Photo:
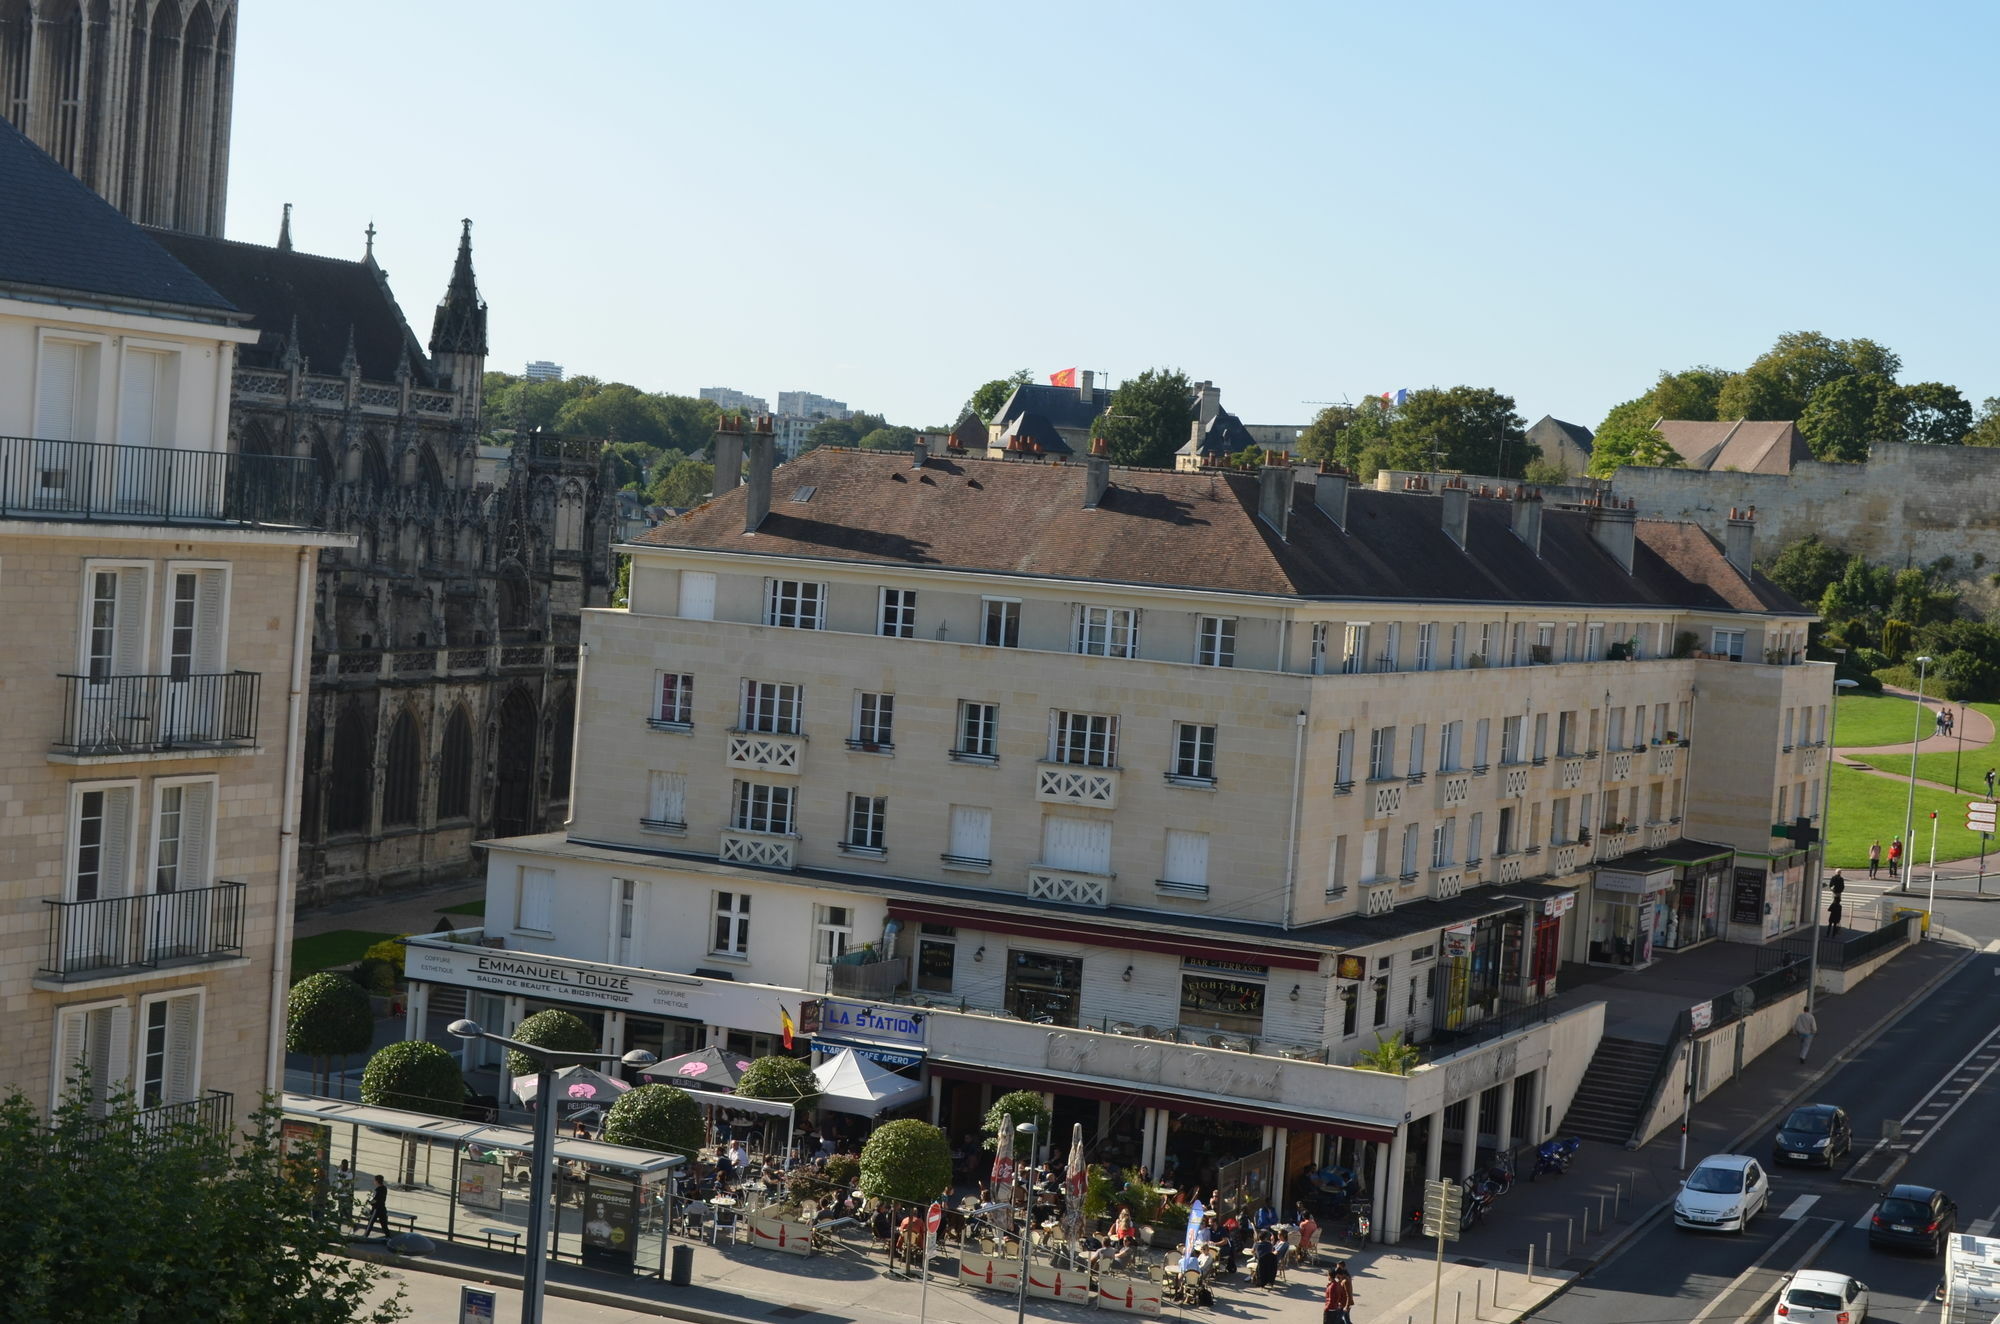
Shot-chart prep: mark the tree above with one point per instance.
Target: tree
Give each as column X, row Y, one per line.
column 1472, row 429
column 155, row 1221
column 1547, row 473
column 985, row 402
column 1691, row 393
column 786, row 1079
column 1022, row 1106
column 1935, row 414
column 1148, row 419
column 415, row 1076
column 328, row 1016
column 907, row 1161
column 1848, row 415
column 662, row 1118
column 1780, row 382
column 1805, row 568
column 555, row 1029
column 889, row 439
column 843, row 431
column 1986, row 424
column 1323, row 439
column 686, row 483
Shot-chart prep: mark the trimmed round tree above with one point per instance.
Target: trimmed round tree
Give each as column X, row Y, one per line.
column 553, row 1029
column 415, row 1076
column 661, row 1118
column 781, row 1079
column 1022, row 1106
column 908, row 1161
column 328, row 1016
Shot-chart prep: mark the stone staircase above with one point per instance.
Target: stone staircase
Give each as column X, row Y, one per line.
column 1615, row 1091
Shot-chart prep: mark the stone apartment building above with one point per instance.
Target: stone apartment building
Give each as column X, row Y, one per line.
column 161, row 588
column 1164, row 793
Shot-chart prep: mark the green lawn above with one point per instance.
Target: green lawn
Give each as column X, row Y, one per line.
column 467, row 908
column 1937, row 767
column 1875, row 719
column 324, row 951
column 1867, row 807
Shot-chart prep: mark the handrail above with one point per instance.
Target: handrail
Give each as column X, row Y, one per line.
column 42, row 479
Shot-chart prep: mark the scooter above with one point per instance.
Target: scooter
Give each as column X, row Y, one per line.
column 1554, row 1156
column 1501, row 1175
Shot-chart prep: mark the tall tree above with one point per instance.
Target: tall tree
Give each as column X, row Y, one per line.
column 1935, row 414
column 843, row 431
column 683, row 484
column 1985, row 429
column 1691, row 393
column 1324, row 437
column 889, row 439
column 1148, row 419
column 1627, row 436
column 986, row 401
column 1473, row 429
column 1781, row 381
column 1846, row 415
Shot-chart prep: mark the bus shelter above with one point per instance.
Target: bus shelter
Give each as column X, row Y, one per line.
column 470, row 1181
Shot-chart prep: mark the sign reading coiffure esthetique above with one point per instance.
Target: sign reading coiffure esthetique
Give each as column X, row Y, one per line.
column 553, row 979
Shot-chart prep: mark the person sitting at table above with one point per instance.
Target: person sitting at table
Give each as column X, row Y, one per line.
column 1122, row 1227
column 1267, row 1262
column 881, row 1226
column 1265, row 1217
column 1204, row 1231
column 1190, row 1262
column 1123, row 1258
column 1308, row 1236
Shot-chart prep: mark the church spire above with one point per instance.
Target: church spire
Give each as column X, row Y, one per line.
column 460, row 324
column 285, row 231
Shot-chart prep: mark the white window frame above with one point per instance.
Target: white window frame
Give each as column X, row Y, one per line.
column 795, row 604
column 205, row 830
column 697, row 595
column 117, row 1055
column 1106, row 631
column 959, row 859
column 141, row 1028
column 628, row 904
column 1451, row 745
column 1427, row 646
column 833, row 932
column 874, row 721
column 1184, row 857
column 1343, row 759
column 166, row 360
column 867, row 824
column 138, row 648
column 666, row 791
column 978, row 734
column 542, row 908
column 1316, row 657
column 1084, row 740
column 1593, row 642
column 896, row 613
column 778, row 703
column 1419, row 734
column 85, row 390
column 1215, row 641
column 130, row 846
column 731, row 908
column 755, row 807
column 1354, row 648
column 1194, row 754
column 1457, row 645
column 1728, row 642
column 169, row 600
column 1444, row 843
column 1006, row 613
column 673, row 700
column 1381, row 753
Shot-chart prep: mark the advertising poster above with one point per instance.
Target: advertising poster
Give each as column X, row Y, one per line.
column 479, row 1184
column 610, row 1223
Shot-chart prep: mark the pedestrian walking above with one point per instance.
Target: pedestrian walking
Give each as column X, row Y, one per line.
column 1895, row 857
column 1805, row 1027
column 1989, row 783
column 343, row 1193
column 1833, row 918
column 378, row 1207
column 1339, row 1295
column 1874, row 856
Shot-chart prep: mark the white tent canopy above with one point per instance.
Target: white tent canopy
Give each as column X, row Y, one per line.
column 850, row 1083
column 736, row 1103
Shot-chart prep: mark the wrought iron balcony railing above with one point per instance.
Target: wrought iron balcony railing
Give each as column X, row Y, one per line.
column 88, row 480
column 92, row 939
column 151, row 714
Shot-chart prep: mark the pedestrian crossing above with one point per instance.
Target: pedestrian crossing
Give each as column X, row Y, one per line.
column 1797, row 1208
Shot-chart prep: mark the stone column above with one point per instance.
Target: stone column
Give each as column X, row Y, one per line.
column 1389, row 1191
column 613, row 1039
column 1503, row 1122
column 1276, row 1139
column 937, row 1097
column 1434, row 1146
column 1469, row 1137
column 416, row 1009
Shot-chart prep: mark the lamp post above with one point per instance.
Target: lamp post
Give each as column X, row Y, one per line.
column 1910, row 806
column 1030, row 1130
column 547, row 1063
column 1825, row 827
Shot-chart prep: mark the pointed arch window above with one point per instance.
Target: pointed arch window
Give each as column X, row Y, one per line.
column 403, row 776
column 353, row 761
column 455, row 767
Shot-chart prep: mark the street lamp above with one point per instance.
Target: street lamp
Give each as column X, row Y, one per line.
column 1825, row 826
column 1910, row 806
column 547, row 1062
column 1030, row 1130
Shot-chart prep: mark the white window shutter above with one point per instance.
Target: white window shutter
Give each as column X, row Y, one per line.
column 128, row 627
column 971, row 832
column 138, row 398
column 183, row 1048
column 197, row 833
column 1187, row 857
column 698, row 595
column 669, row 797
column 114, row 876
column 210, row 646
column 72, row 1034
column 56, row 391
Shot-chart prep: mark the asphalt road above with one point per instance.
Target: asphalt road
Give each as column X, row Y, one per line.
column 1937, row 1072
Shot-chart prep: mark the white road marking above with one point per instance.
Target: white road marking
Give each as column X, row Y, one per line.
column 1770, row 1252
column 1798, row 1207
column 1863, row 1221
column 1980, row 1227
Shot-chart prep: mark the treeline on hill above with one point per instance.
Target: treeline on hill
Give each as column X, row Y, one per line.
column 1885, row 618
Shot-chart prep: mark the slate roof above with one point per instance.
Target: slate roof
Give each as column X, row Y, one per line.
column 1748, row 446
column 1201, row 530
column 1224, row 436
column 325, row 295
column 1577, row 434
column 1062, row 406
column 57, row 237
column 1033, row 432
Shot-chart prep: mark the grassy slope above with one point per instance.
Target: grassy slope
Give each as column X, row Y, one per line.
column 1867, row 807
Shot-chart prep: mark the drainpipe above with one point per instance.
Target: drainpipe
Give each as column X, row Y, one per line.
column 1292, row 831
column 288, row 827
column 1603, row 771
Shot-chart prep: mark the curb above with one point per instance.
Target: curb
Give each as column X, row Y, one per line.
column 589, row 1296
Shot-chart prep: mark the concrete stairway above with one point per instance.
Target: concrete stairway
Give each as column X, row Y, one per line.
column 1614, row 1091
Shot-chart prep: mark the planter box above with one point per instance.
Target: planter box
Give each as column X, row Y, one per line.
column 1132, row 1296
column 990, row 1272
column 780, row 1234
column 1071, row 1285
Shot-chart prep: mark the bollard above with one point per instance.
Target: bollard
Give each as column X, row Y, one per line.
column 1617, row 1199
column 1478, row 1299
column 1531, row 1263
column 1600, row 1213
column 1586, row 1225
column 1496, row 1287
column 1569, row 1237
column 1548, row 1247
column 1457, row 1304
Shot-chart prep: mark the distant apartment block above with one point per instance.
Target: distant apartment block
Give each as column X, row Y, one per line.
column 541, row 370
column 733, row 401
column 804, row 404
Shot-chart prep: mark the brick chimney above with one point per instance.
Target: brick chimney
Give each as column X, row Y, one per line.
column 920, row 450
column 1738, row 536
column 761, row 446
column 1274, row 496
column 1616, row 528
column 728, row 451
column 1086, row 386
column 1330, row 494
column 1208, row 403
column 1528, row 517
column 1457, row 507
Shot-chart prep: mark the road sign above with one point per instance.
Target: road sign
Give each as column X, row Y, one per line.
column 1443, row 1206
column 934, row 1219
column 1981, row 815
column 1982, row 806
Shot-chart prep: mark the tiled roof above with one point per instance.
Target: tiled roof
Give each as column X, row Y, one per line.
column 1062, row 406
column 1747, row 446
column 58, row 236
column 1201, row 530
column 327, row 297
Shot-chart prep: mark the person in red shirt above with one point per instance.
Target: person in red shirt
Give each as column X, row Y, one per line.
column 1339, row 1295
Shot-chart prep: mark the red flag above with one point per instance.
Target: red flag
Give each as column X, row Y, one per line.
column 1067, row 377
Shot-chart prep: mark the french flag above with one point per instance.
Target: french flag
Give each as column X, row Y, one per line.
column 1395, row 397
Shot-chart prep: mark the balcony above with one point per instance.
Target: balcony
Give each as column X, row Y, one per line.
column 1385, row 799
column 764, row 850
column 1569, row 771
column 133, row 934
column 1447, row 883
column 1070, row 886
column 119, row 716
column 85, row 480
column 1070, row 784
column 1454, row 789
column 1507, row 869
column 766, row 751
column 1809, row 758
column 1620, row 766
column 1564, row 857
column 1378, row 898
column 1666, row 760
column 871, row 979
column 1513, row 782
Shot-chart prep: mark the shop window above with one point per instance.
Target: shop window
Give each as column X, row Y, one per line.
column 1381, row 1000
column 1222, row 996
column 937, row 964
column 1350, row 1011
column 1043, row 987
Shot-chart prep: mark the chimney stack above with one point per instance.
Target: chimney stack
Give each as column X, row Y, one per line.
column 1738, row 537
column 1528, row 517
column 1616, row 529
column 1096, row 473
column 728, row 451
column 1086, row 386
column 1330, row 494
column 1208, row 403
column 1457, row 507
column 1274, row 496
column 920, row 451
column 760, row 444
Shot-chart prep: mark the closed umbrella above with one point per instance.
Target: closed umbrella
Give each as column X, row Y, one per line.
column 1075, row 1181
column 1003, row 1165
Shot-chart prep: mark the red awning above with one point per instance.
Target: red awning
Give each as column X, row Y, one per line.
column 1072, row 928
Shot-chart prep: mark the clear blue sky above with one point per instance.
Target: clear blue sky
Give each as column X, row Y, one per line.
column 892, row 203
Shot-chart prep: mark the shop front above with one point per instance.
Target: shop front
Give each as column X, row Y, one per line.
column 1770, row 895
column 889, row 1036
column 1693, row 913
column 1669, row 899
column 1625, row 907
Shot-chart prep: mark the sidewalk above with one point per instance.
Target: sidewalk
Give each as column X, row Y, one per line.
column 1977, row 729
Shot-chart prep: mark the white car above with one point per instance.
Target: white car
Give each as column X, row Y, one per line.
column 1722, row 1194
column 1817, row 1297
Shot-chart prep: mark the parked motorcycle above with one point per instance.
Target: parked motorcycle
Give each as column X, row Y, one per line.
column 1554, row 1156
column 1500, row 1176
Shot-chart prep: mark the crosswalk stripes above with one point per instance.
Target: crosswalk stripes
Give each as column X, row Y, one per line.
column 1980, row 1227
column 1797, row 1208
column 1867, row 1218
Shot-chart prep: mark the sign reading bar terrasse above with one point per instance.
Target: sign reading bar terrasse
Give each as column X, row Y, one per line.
column 555, row 979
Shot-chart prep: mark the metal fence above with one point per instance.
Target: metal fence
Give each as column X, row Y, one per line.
column 90, row 938
column 145, row 714
column 153, row 484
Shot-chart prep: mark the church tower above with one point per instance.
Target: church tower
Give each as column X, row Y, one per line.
column 458, row 332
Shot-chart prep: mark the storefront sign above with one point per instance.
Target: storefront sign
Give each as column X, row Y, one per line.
column 1458, row 942
column 610, row 1224
column 888, row 1057
column 1228, row 967
column 1701, row 1015
column 1747, row 906
column 556, row 979
column 1351, row 967
column 1560, row 905
column 875, row 1025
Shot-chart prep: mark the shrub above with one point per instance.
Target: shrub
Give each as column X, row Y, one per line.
column 554, row 1029
column 389, row 949
column 1022, row 1106
column 1391, row 1055
column 781, row 1079
column 374, row 975
column 661, row 1118
column 1098, row 1192
column 843, row 1170
column 1684, row 643
column 1896, row 638
column 1867, row 659
column 415, row 1076
column 908, row 1161
column 328, row 1015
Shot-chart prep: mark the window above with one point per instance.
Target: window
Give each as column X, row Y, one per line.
column 1044, row 988
column 874, row 722
column 1593, row 642
column 1457, row 646
column 937, row 958
column 1566, row 733
column 1354, row 648
column 1374, row 847
column 978, row 732
column 1392, row 648
column 1503, row 843
column 1475, row 830
column 351, row 784
column 195, row 628
column 65, row 391
column 1343, row 761
column 147, row 383
column 169, row 1048
column 1090, row 739
column 1418, row 734
column 1002, row 627
column 1411, row 835
column 1614, row 729
column 1784, row 803
column 865, row 821
column 402, row 778
column 1444, row 844
column 1381, row 999
column 1789, row 712
column 1510, row 740
column 1517, row 649
column 183, row 826
column 1336, row 868
column 1426, row 646
column 1729, row 643
column 833, row 932
column 1541, row 738
column 1215, row 641
column 1076, row 845
column 732, row 925
column 762, row 808
column 1569, row 641
column 698, row 595
column 1381, row 753
column 1317, row 660
column 1194, row 752
column 455, row 767
column 1107, row 631
column 1480, row 732
column 1186, row 867
column 1451, row 742
column 92, row 1044
column 666, row 802
column 674, row 700
column 114, row 641
column 1659, row 721
column 1221, row 997
column 897, row 617
column 796, row 603
column 1350, row 1008
column 970, row 844
column 771, row 707
column 101, row 850
column 536, row 899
